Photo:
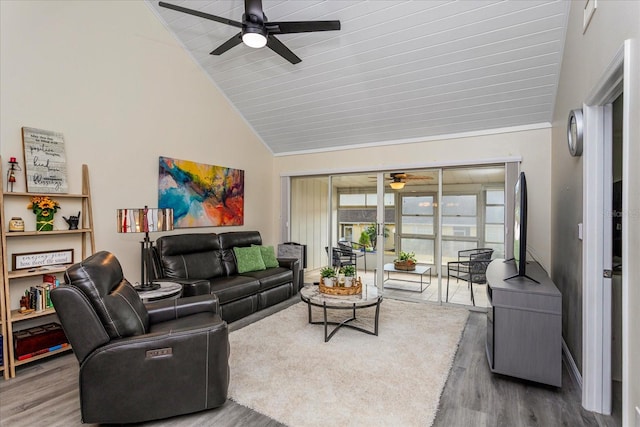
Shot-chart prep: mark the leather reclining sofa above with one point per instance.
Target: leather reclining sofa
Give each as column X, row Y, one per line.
column 206, row 263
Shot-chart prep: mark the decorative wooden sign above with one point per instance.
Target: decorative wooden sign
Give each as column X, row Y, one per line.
column 45, row 161
column 41, row 259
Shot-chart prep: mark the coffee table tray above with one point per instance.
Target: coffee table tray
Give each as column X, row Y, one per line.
column 342, row 290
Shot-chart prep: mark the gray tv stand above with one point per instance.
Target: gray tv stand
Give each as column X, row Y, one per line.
column 524, row 324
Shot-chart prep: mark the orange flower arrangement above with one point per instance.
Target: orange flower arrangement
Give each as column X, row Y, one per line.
column 43, row 206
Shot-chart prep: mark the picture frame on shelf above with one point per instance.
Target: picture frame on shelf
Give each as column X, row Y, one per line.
column 34, row 260
column 45, row 161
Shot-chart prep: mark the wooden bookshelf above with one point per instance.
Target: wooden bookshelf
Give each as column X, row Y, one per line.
column 11, row 317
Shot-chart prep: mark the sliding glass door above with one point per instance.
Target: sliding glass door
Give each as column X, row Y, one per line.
column 432, row 213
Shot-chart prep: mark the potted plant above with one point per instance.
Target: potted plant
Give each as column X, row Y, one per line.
column 328, row 275
column 349, row 272
column 406, row 261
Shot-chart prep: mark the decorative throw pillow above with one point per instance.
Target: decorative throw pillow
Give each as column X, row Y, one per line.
column 249, row 259
column 268, row 256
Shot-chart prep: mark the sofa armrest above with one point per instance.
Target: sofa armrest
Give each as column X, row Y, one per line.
column 190, row 287
column 293, row 264
column 169, row 309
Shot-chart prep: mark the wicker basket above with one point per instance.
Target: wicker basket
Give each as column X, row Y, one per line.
column 355, row 289
column 404, row 265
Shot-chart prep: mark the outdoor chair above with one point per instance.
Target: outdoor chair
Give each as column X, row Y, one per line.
column 354, row 248
column 471, row 266
column 341, row 257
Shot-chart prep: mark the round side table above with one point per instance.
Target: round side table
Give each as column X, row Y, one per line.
column 167, row 290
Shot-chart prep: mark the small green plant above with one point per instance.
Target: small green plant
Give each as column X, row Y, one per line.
column 327, row 272
column 407, row 256
column 365, row 240
column 348, row 270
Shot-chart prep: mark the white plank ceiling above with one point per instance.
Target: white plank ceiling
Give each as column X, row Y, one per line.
column 397, row 71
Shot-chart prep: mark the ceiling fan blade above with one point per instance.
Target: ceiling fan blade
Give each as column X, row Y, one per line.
column 201, row 14
column 233, row 41
column 276, row 45
column 289, row 27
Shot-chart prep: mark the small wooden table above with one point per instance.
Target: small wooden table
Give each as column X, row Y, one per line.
column 420, row 270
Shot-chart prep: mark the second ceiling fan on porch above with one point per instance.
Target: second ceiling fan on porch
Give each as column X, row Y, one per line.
column 257, row 31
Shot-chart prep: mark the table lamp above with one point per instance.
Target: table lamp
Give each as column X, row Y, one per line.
column 144, row 220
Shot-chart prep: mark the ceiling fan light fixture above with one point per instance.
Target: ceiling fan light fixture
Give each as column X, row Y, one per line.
column 396, row 185
column 254, row 37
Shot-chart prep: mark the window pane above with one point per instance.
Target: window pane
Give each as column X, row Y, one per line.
column 423, row 248
column 495, row 197
column 459, row 226
column 495, row 214
column 418, row 205
column 417, row 225
column 372, row 199
column 494, row 233
column 352, row 200
column 498, row 250
column 459, row 205
column 389, row 199
column 450, row 249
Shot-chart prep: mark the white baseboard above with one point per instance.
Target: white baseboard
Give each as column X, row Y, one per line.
column 571, row 364
column 637, row 417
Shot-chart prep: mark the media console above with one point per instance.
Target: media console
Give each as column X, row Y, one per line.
column 524, row 324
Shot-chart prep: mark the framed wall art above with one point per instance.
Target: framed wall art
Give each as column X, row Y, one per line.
column 45, row 161
column 201, row 195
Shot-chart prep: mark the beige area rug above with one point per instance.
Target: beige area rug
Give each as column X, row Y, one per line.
column 281, row 366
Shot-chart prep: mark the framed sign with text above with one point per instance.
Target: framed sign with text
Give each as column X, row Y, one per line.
column 41, row 259
column 45, row 161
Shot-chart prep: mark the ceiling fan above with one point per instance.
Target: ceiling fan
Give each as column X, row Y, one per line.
column 257, row 31
column 399, row 179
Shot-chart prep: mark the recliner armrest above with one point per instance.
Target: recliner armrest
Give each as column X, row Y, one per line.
column 164, row 310
column 174, row 371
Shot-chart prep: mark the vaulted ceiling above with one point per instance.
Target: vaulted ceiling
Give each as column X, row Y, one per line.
column 397, row 71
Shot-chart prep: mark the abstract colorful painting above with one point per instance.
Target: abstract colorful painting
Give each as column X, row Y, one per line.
column 201, row 195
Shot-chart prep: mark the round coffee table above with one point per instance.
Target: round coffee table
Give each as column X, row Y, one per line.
column 370, row 297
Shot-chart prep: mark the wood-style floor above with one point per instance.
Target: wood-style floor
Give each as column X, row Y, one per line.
column 46, row 394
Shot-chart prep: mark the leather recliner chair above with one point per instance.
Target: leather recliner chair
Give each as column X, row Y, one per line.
column 137, row 362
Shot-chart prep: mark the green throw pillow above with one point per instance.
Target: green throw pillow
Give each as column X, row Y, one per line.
column 269, row 256
column 249, row 259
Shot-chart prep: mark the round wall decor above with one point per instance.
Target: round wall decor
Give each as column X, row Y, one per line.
column 575, row 129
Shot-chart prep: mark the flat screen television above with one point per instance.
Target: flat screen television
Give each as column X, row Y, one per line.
column 520, row 228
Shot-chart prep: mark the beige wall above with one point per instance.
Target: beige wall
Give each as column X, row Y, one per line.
column 532, row 146
column 586, row 56
column 112, row 79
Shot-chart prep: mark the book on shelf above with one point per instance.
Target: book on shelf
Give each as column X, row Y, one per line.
column 38, row 298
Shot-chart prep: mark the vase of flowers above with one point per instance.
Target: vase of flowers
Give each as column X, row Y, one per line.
column 45, row 209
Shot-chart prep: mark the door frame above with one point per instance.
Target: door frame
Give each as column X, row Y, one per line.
column 596, row 302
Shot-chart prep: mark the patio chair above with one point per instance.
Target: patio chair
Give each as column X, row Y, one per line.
column 355, row 249
column 471, row 266
column 341, row 257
